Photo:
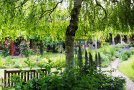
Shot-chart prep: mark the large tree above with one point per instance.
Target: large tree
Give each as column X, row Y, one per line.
column 43, row 18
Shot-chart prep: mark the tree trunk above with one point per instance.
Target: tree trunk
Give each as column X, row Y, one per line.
column 113, row 41
column 128, row 40
column 70, row 33
column 96, row 44
column 41, row 47
column 12, row 48
column 121, row 39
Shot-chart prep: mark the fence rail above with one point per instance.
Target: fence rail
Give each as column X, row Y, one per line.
column 25, row 75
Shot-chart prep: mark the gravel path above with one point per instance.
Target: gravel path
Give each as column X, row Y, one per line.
column 116, row 73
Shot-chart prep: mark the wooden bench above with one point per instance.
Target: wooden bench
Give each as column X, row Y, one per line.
column 23, row 74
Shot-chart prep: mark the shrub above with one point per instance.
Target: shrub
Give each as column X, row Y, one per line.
column 107, row 54
column 27, row 52
column 5, row 52
column 125, row 55
column 105, row 60
column 72, row 79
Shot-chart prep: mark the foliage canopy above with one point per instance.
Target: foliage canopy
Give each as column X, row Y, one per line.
column 49, row 18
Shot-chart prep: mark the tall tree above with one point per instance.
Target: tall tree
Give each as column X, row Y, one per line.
column 70, row 33
column 41, row 18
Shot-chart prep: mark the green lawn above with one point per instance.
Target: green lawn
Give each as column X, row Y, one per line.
column 34, row 60
column 127, row 67
column 7, row 88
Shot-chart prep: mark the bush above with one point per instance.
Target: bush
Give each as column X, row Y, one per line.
column 125, row 54
column 108, row 54
column 105, row 60
column 5, row 52
column 72, row 79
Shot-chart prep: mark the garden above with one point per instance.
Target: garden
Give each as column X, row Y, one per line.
column 66, row 45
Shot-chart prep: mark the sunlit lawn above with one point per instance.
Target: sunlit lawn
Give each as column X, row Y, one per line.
column 127, row 67
column 35, row 60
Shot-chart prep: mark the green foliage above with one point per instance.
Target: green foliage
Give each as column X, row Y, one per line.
column 74, row 79
column 5, row 52
column 35, row 61
column 125, row 55
column 96, row 60
column 107, row 54
column 2, row 63
column 21, row 18
column 80, row 62
column 25, row 16
column 60, row 63
column 86, row 59
column 105, row 60
column 27, row 52
column 99, row 60
column 91, row 63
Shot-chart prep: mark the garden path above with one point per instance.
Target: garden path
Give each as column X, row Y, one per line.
column 116, row 73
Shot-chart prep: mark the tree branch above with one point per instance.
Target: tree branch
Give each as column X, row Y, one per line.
column 50, row 10
column 98, row 4
column 21, row 4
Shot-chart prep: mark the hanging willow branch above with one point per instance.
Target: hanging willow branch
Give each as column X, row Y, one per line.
column 98, row 4
column 50, row 10
column 22, row 4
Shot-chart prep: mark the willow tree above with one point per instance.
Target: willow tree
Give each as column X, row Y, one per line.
column 70, row 32
column 101, row 16
column 37, row 17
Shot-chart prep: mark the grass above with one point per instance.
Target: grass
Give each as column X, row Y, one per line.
column 6, row 88
column 20, row 62
column 127, row 67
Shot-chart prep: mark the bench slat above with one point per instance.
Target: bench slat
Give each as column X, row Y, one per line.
column 23, row 74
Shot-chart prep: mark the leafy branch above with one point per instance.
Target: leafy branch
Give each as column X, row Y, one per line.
column 98, row 4
column 50, row 10
column 22, row 3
